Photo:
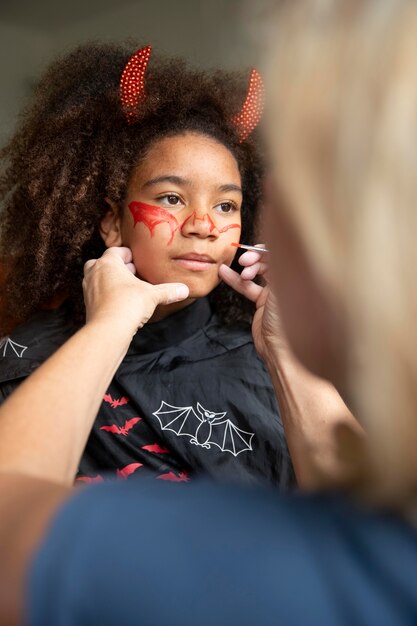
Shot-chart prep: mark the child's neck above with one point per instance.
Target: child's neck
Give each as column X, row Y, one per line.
column 165, row 310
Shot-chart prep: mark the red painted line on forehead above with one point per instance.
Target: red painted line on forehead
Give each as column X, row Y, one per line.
column 151, row 216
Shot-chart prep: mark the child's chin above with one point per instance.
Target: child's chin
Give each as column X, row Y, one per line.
column 200, row 289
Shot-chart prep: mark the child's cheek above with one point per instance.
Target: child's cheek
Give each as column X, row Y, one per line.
column 146, row 267
column 151, row 216
column 228, row 239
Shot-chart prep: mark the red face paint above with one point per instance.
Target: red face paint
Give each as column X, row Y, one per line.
column 225, row 228
column 206, row 218
column 151, row 216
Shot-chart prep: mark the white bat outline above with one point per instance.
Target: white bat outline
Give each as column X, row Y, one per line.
column 183, row 424
column 6, row 342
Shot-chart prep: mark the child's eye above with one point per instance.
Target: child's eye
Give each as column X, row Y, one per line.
column 170, row 200
column 226, row 207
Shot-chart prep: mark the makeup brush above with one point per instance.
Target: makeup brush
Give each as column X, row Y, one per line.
column 245, row 247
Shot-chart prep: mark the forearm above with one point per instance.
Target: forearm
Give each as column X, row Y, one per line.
column 314, row 415
column 45, row 424
column 27, row 506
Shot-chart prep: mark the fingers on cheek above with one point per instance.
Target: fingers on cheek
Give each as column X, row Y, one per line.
column 249, row 273
column 249, row 258
column 263, row 268
column 131, row 268
column 257, row 269
column 89, row 265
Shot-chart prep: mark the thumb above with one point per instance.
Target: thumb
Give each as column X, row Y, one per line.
column 166, row 293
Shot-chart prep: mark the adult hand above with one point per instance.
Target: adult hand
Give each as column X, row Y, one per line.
column 266, row 328
column 113, row 293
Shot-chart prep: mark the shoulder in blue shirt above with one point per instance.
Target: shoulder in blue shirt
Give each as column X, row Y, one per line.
column 131, row 553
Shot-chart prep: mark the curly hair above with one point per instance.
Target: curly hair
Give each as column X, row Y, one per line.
column 73, row 148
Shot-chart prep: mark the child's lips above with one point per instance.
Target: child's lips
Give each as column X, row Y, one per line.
column 195, row 262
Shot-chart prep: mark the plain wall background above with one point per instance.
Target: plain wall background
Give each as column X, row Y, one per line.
column 210, row 33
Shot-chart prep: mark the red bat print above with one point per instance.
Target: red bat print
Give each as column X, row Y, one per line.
column 151, row 216
column 124, row 472
column 116, row 401
column 122, row 430
column 181, row 478
column 154, row 447
column 90, row 479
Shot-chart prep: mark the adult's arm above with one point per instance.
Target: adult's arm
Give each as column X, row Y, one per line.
column 43, row 431
column 323, row 437
column 45, row 424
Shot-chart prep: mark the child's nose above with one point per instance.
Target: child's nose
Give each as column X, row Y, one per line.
column 199, row 224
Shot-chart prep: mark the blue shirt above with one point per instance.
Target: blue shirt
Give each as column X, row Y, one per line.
column 130, row 553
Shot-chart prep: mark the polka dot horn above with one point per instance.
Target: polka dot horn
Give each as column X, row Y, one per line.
column 250, row 115
column 132, row 82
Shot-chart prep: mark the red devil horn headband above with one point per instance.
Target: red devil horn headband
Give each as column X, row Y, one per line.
column 132, row 93
column 132, row 82
column 250, row 115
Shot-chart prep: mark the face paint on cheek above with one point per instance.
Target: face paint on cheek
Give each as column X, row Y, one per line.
column 225, row 228
column 151, row 216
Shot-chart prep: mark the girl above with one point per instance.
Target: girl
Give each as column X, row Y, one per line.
column 161, row 159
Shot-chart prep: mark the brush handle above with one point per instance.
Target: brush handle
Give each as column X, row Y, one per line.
column 252, row 248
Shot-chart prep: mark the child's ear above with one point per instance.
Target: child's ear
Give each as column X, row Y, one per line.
column 110, row 225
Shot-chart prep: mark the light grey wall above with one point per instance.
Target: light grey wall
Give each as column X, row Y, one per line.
column 23, row 51
column 209, row 33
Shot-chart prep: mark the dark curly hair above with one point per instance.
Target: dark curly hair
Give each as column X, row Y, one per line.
column 74, row 147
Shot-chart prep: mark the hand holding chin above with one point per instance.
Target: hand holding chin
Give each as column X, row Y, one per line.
column 112, row 292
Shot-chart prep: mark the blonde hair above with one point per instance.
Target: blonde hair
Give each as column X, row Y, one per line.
column 343, row 121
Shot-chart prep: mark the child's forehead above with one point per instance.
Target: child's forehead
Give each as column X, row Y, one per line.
column 179, row 144
column 188, row 156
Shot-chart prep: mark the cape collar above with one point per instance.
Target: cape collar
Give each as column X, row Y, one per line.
column 173, row 329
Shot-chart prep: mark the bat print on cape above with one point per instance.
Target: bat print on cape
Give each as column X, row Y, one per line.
column 204, row 428
column 115, row 402
column 151, row 216
column 182, row 477
column 11, row 348
column 126, row 471
column 90, row 479
column 121, row 473
column 155, row 448
column 122, row 430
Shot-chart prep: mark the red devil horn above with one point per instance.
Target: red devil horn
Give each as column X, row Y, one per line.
column 132, row 81
column 249, row 116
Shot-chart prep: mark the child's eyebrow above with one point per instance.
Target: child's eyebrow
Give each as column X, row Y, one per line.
column 178, row 180
column 175, row 180
column 230, row 187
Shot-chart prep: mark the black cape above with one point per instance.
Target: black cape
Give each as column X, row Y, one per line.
column 191, row 396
